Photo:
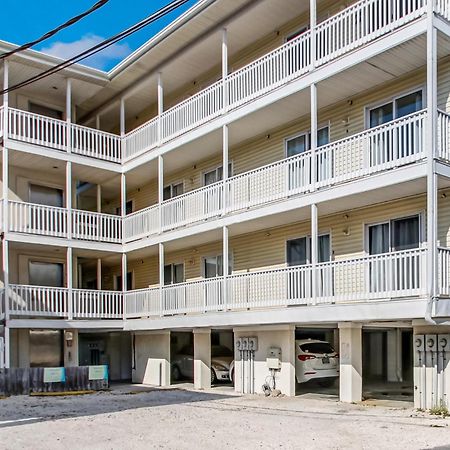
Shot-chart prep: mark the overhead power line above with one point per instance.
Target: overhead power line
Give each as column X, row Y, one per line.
column 172, row 6
column 51, row 33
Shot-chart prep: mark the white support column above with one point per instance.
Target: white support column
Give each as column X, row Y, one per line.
column 225, row 259
column 161, row 277
column 224, row 67
column 99, row 274
column 313, row 94
column 225, row 163
column 202, row 358
column 125, row 287
column 432, row 213
column 99, row 198
column 350, row 360
column 160, row 105
column 123, row 195
column 160, row 189
column 314, row 247
column 69, row 114
column 312, row 24
column 97, row 121
column 69, row 197
column 69, row 276
column 5, row 256
column 122, row 117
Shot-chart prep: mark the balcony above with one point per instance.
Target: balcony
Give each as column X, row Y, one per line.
column 376, row 278
column 53, row 302
column 354, row 27
column 29, row 218
column 370, row 278
column 389, row 146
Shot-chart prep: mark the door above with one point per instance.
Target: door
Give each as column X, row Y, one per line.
column 173, row 212
column 212, row 198
column 213, row 268
column 174, row 299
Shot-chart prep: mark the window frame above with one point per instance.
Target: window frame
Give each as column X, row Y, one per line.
column 307, row 134
column 180, row 263
column 216, row 255
column 47, row 105
column 31, row 182
column 216, row 168
column 392, row 99
column 171, row 185
column 308, row 246
column 389, row 220
column 129, row 288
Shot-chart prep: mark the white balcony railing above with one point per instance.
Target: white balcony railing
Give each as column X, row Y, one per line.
column 444, row 271
column 52, row 221
column 38, row 301
column 386, row 276
column 443, row 136
column 88, row 304
column 93, row 226
column 43, row 301
column 442, row 7
column 385, row 147
column 2, row 303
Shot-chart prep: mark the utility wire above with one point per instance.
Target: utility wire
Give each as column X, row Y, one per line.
column 172, row 6
column 51, row 33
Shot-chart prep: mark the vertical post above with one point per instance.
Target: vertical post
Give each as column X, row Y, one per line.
column 432, row 213
column 69, row 275
column 122, row 117
column 161, row 277
column 99, row 198
column 225, row 164
column 123, row 195
column 226, row 263
column 69, row 114
column 313, row 136
column 124, row 286
column 99, row 274
column 313, row 24
column 69, row 199
column 5, row 194
column 314, row 247
column 97, row 121
column 160, row 106
column 224, row 67
column 160, row 190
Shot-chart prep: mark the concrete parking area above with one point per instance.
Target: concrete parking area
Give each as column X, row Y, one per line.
column 135, row 416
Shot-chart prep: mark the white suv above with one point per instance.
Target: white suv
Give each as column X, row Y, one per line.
column 316, row 360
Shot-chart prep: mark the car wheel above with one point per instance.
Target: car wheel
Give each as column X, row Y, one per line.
column 176, row 373
column 327, row 382
column 213, row 376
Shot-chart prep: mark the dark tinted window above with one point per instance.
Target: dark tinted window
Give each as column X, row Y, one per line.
column 317, row 347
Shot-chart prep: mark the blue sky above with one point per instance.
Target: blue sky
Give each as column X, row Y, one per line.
column 34, row 18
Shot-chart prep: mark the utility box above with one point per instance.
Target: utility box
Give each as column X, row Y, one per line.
column 273, row 359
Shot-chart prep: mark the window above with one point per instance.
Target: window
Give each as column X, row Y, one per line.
column 129, row 282
column 43, row 273
column 398, row 107
column 398, row 142
column 387, row 274
column 298, row 251
column 45, row 111
column 296, row 34
column 173, row 274
column 213, row 176
column 213, row 266
column 173, row 190
column 128, row 208
column 302, row 143
column 44, row 195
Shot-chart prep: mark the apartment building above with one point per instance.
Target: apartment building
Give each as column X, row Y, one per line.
column 260, row 169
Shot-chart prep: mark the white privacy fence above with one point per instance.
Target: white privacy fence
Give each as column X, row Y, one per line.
column 52, row 221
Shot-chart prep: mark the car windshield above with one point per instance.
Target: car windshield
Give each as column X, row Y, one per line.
column 220, row 350
column 317, row 347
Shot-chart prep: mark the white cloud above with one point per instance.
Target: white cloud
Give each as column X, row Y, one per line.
column 100, row 60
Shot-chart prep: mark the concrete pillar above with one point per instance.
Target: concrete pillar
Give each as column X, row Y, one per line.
column 394, row 355
column 283, row 337
column 23, row 347
column 202, row 358
column 71, row 352
column 152, row 358
column 350, row 352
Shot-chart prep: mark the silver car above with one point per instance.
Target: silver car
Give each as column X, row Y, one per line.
column 183, row 363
